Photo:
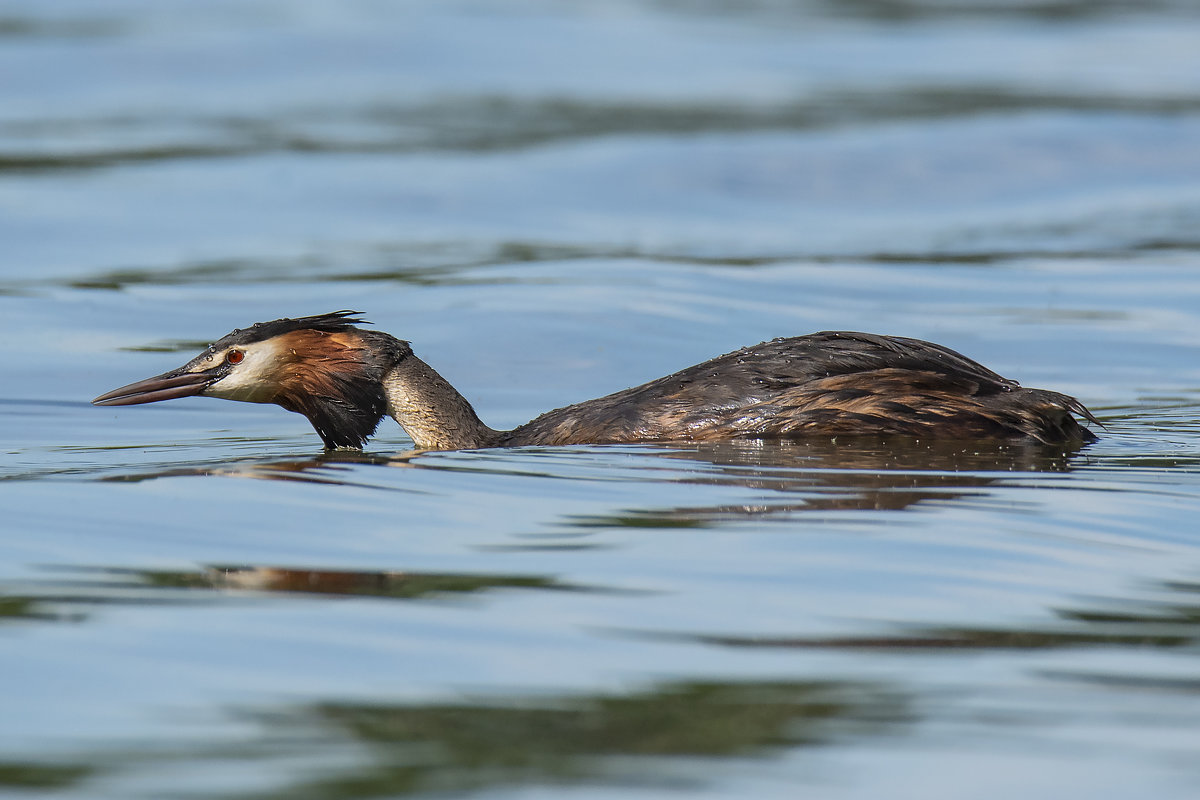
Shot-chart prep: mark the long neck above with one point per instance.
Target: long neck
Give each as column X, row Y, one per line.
column 432, row 411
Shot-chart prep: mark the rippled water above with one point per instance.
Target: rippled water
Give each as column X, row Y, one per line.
column 554, row 201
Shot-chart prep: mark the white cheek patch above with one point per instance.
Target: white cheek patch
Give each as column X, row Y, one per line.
column 252, row 380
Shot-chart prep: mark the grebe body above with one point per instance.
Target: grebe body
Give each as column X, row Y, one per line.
column 345, row 379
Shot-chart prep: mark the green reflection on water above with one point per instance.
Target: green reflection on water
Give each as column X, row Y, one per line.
column 624, row 738
column 485, row 123
column 12, row 608
column 42, row 776
column 1105, row 622
column 641, row 737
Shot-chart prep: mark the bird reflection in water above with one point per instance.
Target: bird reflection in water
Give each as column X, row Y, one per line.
column 390, row 584
column 846, row 473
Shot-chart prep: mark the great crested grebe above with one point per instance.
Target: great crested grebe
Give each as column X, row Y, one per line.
column 344, row 379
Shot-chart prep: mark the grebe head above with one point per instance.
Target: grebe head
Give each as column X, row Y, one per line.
column 320, row 366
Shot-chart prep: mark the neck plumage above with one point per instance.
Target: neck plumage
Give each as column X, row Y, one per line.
column 431, row 411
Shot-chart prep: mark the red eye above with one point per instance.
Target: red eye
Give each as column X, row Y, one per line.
column 235, row 356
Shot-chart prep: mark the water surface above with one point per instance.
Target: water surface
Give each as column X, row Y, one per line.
column 552, row 202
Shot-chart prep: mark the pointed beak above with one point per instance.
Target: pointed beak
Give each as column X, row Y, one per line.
column 167, row 386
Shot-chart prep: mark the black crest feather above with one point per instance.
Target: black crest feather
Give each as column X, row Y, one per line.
column 333, row 322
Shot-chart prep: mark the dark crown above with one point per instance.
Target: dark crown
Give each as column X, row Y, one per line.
column 333, row 322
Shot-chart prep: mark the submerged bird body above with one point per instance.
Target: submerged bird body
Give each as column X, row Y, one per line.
column 345, row 379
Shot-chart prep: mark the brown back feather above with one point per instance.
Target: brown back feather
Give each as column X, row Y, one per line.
column 828, row 383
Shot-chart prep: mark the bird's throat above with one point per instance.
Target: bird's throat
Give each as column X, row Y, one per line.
column 431, row 411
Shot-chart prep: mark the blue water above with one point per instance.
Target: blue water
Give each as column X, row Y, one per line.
column 554, row 201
